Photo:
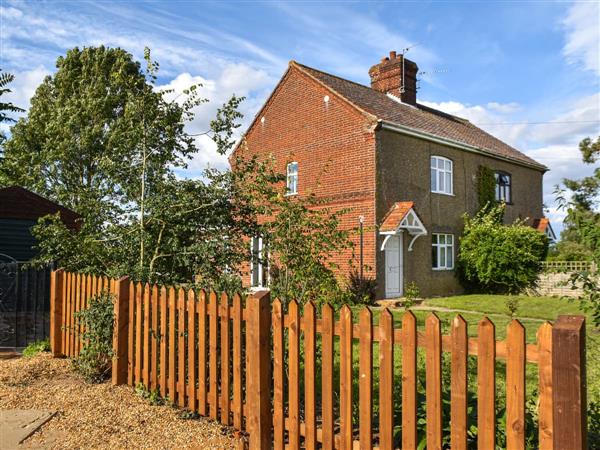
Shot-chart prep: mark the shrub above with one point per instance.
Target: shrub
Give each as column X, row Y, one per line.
column 512, row 305
column 36, row 347
column 411, row 293
column 362, row 290
column 94, row 361
column 499, row 258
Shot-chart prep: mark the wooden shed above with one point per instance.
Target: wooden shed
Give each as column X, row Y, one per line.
column 19, row 211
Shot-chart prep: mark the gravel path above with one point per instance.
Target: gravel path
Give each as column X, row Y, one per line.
column 98, row 416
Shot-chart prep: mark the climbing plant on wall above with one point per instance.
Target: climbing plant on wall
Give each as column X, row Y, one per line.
column 486, row 186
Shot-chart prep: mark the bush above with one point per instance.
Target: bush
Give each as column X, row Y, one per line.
column 36, row 347
column 362, row 290
column 499, row 258
column 411, row 293
column 94, row 361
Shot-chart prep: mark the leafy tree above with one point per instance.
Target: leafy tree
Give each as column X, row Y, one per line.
column 583, row 225
column 495, row 257
column 102, row 139
column 6, row 107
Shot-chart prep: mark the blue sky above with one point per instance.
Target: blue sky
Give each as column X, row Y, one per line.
column 502, row 65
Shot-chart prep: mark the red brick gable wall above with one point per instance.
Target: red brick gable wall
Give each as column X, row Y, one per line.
column 334, row 146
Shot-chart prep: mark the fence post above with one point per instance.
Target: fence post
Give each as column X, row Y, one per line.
column 121, row 331
column 569, row 383
column 56, row 302
column 258, row 342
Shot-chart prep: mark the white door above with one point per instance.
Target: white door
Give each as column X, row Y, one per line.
column 393, row 267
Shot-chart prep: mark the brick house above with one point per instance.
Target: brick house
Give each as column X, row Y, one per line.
column 409, row 172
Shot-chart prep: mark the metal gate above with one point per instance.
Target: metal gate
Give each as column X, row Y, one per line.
column 24, row 303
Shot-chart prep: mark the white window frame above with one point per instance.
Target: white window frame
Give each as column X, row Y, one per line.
column 441, row 176
column 443, row 249
column 503, row 190
column 292, row 178
column 258, row 263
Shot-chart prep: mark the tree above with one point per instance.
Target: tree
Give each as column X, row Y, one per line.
column 6, row 107
column 495, row 257
column 582, row 223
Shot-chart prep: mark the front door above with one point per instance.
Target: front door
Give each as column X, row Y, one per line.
column 393, row 267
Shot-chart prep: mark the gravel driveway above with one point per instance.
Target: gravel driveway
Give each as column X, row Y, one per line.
column 98, row 416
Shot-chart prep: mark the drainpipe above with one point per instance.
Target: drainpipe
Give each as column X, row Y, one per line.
column 361, row 220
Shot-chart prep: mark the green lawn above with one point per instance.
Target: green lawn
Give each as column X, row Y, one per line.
column 531, row 312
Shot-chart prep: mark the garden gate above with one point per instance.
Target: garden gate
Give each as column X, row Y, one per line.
column 24, row 303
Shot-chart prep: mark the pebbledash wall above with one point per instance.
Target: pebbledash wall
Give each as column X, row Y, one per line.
column 344, row 157
column 334, row 146
column 403, row 166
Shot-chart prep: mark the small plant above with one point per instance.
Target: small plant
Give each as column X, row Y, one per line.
column 362, row 290
column 95, row 358
column 36, row 347
column 512, row 305
column 411, row 293
column 186, row 414
column 153, row 396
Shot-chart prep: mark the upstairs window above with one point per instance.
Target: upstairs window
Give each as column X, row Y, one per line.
column 503, row 187
column 441, row 175
column 442, row 251
column 292, row 178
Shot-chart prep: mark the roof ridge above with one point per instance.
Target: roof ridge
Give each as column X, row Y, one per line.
column 334, row 76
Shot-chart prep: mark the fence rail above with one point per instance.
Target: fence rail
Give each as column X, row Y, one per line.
column 293, row 379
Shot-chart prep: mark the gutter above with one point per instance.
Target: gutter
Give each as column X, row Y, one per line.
column 452, row 143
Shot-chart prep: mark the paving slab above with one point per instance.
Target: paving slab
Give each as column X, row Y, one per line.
column 16, row 425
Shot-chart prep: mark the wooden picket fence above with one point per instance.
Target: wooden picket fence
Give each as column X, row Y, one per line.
column 253, row 366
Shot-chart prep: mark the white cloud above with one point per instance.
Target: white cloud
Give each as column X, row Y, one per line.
column 24, row 85
column 582, row 25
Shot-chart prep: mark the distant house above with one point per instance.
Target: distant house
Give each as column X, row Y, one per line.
column 408, row 171
column 19, row 211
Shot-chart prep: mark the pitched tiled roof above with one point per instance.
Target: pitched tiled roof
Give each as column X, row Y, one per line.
column 420, row 118
column 394, row 216
column 541, row 224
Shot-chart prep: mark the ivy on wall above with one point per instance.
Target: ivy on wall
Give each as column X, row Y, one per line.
column 486, row 186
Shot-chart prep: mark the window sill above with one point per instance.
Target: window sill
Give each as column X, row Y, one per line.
column 290, row 194
column 443, row 193
column 442, row 269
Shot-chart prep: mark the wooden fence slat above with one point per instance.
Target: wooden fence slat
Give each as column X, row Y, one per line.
column 77, row 321
column 238, row 413
column 545, row 412
column 458, row 382
column 172, row 346
column 366, row 379
column 486, row 384
column 138, row 332
column 433, row 389
column 146, row 344
column 181, row 380
column 202, row 353
column 64, row 317
column 386, row 380
column 327, row 338
column 310, row 398
column 515, row 386
column 409, row 380
column 163, row 300
column 294, row 376
column 225, row 359
column 212, row 355
column 192, row 350
column 130, row 332
column 346, row 331
column 278, row 376
column 154, row 337
column 67, row 317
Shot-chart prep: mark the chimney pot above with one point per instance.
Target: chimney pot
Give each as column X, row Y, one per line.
column 392, row 55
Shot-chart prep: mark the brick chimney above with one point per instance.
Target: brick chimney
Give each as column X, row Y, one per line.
column 387, row 77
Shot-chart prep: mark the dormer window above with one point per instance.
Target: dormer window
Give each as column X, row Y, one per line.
column 503, row 187
column 292, row 178
column 441, row 175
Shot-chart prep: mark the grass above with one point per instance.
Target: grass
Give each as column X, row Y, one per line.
column 531, row 312
column 36, row 347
